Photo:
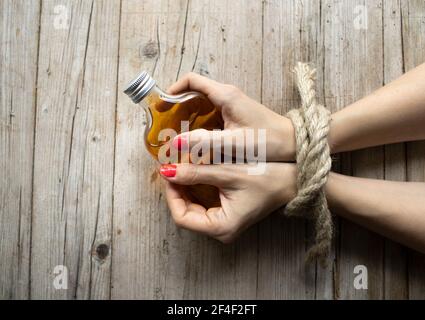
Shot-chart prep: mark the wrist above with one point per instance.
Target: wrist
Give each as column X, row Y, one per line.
column 335, row 184
column 335, row 134
column 290, row 189
column 282, row 140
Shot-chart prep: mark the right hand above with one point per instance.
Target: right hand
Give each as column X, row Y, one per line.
column 239, row 113
column 244, row 198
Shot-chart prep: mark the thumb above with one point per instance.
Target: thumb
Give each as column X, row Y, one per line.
column 189, row 174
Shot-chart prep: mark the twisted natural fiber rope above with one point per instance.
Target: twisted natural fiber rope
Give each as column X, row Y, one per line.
column 311, row 123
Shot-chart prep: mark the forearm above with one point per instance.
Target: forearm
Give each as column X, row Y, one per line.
column 394, row 113
column 393, row 209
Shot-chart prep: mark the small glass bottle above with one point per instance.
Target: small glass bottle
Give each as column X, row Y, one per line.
column 164, row 111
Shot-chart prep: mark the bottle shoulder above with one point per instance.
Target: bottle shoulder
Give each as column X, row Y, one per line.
column 176, row 98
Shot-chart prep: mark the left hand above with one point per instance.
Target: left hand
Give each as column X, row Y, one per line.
column 240, row 113
column 245, row 199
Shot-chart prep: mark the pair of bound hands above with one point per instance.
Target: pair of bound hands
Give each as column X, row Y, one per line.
column 245, row 199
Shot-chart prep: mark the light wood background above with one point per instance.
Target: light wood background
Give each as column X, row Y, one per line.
column 78, row 188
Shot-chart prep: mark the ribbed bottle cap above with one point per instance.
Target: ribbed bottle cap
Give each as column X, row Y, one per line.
column 140, row 87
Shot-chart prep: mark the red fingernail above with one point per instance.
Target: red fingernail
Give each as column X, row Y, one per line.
column 168, row 170
column 180, row 142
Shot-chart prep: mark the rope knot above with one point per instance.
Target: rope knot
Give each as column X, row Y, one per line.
column 311, row 123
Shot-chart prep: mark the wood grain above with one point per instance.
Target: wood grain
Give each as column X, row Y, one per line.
column 173, row 263
column 18, row 72
column 395, row 255
column 219, row 50
column 74, row 149
column 353, row 65
column 413, row 28
column 291, row 33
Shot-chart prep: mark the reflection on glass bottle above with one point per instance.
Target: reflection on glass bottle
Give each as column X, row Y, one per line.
column 168, row 112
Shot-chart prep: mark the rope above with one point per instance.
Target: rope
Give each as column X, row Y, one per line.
column 311, row 123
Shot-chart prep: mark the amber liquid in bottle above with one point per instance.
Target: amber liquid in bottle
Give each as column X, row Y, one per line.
column 167, row 112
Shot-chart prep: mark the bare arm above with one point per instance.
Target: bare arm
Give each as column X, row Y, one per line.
column 393, row 209
column 394, row 113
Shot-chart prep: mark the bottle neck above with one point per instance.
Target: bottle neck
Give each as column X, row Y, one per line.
column 156, row 91
column 154, row 95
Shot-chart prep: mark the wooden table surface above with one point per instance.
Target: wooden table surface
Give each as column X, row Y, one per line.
column 78, row 188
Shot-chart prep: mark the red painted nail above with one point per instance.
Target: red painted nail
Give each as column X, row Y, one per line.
column 180, row 142
column 168, row 170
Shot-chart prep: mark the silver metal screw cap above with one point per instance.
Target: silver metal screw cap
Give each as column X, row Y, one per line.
column 140, row 87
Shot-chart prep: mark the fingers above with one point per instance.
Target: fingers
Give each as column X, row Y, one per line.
column 221, row 95
column 191, row 174
column 193, row 81
column 194, row 217
column 186, row 214
column 228, row 142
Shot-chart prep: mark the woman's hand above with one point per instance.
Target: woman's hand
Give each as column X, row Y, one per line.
column 245, row 199
column 239, row 113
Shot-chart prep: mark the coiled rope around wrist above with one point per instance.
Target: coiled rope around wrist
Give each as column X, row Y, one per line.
column 311, row 123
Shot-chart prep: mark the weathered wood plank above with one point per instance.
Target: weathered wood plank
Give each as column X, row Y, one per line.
column 354, row 59
column 153, row 258
column 395, row 255
column 325, row 276
column 222, row 51
column 74, row 148
column 151, row 38
column 292, row 32
column 19, row 24
column 413, row 29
